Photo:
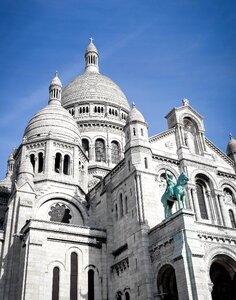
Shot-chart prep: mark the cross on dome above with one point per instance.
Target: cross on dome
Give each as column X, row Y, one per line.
column 91, row 40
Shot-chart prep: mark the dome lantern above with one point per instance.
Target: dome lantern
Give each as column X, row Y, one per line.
column 55, row 89
column 91, row 58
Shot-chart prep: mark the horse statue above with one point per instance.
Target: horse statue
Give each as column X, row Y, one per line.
column 174, row 192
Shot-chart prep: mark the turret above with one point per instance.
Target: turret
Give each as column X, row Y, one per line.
column 136, row 134
column 55, row 89
column 91, row 58
column 136, row 129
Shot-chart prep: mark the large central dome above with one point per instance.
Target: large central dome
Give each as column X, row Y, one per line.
column 100, row 109
column 92, row 86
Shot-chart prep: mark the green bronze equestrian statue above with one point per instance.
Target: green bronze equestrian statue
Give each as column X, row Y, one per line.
column 174, row 192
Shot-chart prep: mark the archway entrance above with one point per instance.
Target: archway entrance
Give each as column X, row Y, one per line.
column 223, row 277
column 166, row 282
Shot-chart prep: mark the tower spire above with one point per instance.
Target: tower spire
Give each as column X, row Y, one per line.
column 91, row 58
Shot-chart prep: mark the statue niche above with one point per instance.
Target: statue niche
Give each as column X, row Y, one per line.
column 190, row 135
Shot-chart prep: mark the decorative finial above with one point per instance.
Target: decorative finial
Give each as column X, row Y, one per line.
column 185, row 102
column 230, row 136
column 56, row 74
column 91, row 40
column 133, row 105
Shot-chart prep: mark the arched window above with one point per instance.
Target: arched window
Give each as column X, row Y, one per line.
column 134, row 131
column 90, row 285
column 66, row 165
column 73, row 276
column 126, row 205
column 85, row 145
column 55, row 283
column 32, row 160
column 121, row 206
column 228, row 196
column 145, row 162
column 141, row 131
column 40, row 162
column 119, row 296
column 232, row 219
column 115, row 152
column 200, row 188
column 58, row 163
column 100, row 150
column 116, row 212
column 127, row 297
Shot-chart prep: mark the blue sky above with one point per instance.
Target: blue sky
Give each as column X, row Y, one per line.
column 158, row 52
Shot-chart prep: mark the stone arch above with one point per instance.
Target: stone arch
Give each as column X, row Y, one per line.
column 55, row 263
column 115, row 151
column 100, row 149
column 193, row 118
column 197, row 171
column 75, row 201
column 204, row 188
column 215, row 251
column 118, row 295
column 170, row 168
column 166, row 282
column 120, row 200
column 222, row 277
column 93, row 267
column 80, row 254
column 157, row 270
column 225, row 182
column 86, row 144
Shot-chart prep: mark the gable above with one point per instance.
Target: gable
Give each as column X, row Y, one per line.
column 164, row 142
column 220, row 158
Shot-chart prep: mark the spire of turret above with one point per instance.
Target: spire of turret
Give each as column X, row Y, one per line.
column 10, row 164
column 91, row 58
column 26, row 172
column 55, row 89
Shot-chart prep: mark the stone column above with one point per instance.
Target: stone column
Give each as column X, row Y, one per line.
column 139, row 199
column 92, row 152
column 217, row 207
column 196, row 205
column 225, row 214
column 211, row 207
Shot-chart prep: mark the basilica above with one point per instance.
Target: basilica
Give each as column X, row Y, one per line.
column 82, row 215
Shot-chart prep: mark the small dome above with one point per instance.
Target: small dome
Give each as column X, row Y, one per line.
column 231, row 148
column 135, row 115
column 52, row 120
column 56, row 80
column 91, row 47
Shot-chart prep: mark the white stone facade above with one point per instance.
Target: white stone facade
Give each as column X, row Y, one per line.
column 81, row 212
